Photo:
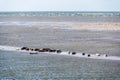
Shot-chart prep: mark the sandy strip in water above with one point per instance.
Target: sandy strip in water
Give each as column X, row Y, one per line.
column 10, row 48
column 95, row 26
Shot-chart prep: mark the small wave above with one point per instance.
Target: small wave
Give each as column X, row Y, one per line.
column 15, row 23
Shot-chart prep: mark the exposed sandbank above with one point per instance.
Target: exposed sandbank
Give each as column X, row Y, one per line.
column 11, row 48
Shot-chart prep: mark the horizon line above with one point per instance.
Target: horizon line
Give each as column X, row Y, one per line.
column 60, row 11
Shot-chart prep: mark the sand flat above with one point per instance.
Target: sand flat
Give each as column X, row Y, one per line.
column 92, row 38
column 65, row 53
column 94, row 26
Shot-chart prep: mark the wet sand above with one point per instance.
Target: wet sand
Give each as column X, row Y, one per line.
column 64, row 53
column 91, row 38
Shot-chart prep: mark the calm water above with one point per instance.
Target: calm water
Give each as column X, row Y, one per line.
column 60, row 16
column 15, row 30
column 64, row 13
column 22, row 66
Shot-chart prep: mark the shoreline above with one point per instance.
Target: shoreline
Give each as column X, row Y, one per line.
column 65, row 53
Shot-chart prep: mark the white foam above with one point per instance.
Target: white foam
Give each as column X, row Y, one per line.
column 8, row 48
column 92, row 56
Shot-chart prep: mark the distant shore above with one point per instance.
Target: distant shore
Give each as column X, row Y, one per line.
column 96, row 26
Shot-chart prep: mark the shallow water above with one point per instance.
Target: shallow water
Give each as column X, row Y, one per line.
column 22, row 66
column 33, row 30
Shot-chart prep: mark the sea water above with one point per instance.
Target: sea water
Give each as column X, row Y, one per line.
column 23, row 66
column 65, row 16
